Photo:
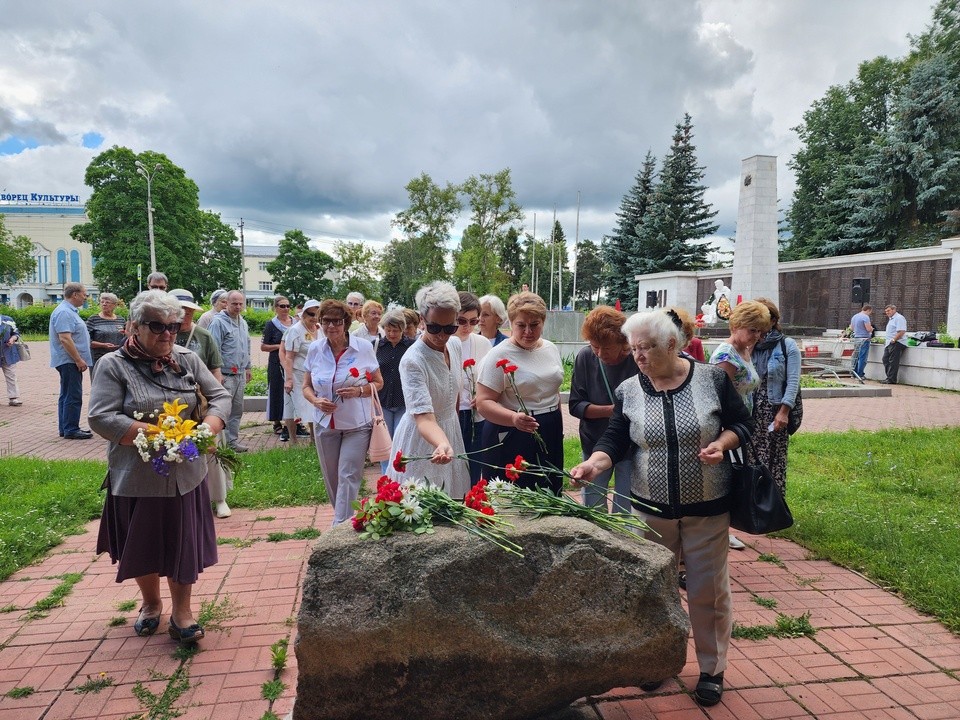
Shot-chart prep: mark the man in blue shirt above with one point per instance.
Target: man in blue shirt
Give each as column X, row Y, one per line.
column 896, row 341
column 232, row 335
column 70, row 355
column 862, row 332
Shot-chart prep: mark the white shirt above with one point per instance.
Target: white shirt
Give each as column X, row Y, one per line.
column 475, row 347
column 328, row 374
column 538, row 376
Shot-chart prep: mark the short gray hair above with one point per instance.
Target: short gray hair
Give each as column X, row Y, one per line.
column 157, row 276
column 438, row 294
column 658, row 325
column 358, row 296
column 394, row 317
column 109, row 297
column 157, row 301
column 72, row 288
column 496, row 305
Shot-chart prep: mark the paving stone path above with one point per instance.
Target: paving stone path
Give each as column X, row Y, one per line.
column 872, row 656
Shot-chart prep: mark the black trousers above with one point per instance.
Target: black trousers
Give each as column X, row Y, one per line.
column 516, row 443
column 891, row 361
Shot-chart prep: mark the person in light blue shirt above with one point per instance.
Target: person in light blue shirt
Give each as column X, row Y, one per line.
column 232, row 336
column 894, row 344
column 70, row 355
column 862, row 331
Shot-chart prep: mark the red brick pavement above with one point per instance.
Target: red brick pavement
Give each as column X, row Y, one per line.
column 872, row 656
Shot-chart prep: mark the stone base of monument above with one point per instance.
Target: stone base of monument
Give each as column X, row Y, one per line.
column 450, row 626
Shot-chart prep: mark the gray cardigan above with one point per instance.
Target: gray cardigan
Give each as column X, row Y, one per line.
column 120, row 389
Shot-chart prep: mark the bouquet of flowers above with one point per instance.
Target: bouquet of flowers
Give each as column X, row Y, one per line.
column 414, row 505
column 354, row 380
column 172, row 439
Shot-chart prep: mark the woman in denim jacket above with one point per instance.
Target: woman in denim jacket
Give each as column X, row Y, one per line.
column 774, row 398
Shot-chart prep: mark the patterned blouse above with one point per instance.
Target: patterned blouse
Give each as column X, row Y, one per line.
column 745, row 376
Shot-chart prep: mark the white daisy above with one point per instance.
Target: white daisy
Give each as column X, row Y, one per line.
column 410, row 510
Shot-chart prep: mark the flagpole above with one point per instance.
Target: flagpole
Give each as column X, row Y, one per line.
column 576, row 256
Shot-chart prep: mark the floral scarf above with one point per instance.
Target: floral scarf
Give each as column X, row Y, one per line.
column 135, row 351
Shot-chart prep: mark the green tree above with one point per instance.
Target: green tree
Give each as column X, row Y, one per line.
column 536, row 265
column 589, row 272
column 16, row 255
column 510, row 255
column 677, row 216
column 620, row 250
column 299, row 272
column 911, row 177
column 356, row 269
column 117, row 230
column 221, row 256
column 942, row 36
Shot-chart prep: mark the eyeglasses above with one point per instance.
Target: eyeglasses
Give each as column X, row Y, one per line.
column 333, row 322
column 281, row 305
column 436, row 329
column 464, row 321
column 309, row 314
column 158, row 287
column 158, row 328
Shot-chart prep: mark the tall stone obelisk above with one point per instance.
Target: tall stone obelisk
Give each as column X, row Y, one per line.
column 755, row 268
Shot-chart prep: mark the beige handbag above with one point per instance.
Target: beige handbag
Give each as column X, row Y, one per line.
column 380, row 441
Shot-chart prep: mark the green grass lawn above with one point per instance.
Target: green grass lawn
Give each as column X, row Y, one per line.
column 885, row 503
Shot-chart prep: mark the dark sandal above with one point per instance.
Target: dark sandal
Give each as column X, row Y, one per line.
column 651, row 686
column 185, row 635
column 682, row 579
column 146, row 626
column 709, row 689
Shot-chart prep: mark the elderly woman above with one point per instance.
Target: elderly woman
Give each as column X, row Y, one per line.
column 106, row 327
column 218, row 302
column 370, row 315
column 10, row 356
column 296, row 346
column 493, row 314
column 272, row 339
column 676, row 420
column 749, row 321
column 598, row 370
column 335, row 383
column 390, row 352
column 155, row 525
column 474, row 349
column 777, row 361
column 412, row 329
column 538, row 437
column 432, row 372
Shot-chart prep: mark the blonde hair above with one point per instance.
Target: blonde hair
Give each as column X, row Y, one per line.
column 751, row 315
column 526, row 302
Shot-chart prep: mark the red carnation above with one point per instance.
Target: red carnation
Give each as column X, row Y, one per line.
column 369, row 376
column 400, row 463
column 508, row 369
column 358, row 524
column 354, row 372
column 382, row 481
column 469, row 362
column 511, row 472
column 520, row 462
column 501, row 362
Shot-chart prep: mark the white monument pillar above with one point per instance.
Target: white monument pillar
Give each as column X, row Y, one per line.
column 755, row 265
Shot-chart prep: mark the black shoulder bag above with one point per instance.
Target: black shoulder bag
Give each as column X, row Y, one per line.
column 756, row 504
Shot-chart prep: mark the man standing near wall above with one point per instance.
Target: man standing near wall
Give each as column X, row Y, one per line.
column 70, row 355
column 232, row 336
column 896, row 341
column 862, row 332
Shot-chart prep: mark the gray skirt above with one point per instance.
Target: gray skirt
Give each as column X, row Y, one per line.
column 174, row 537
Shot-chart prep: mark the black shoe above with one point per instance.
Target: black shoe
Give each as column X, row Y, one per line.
column 79, row 435
column 651, row 686
column 709, row 689
column 278, row 428
column 682, row 582
column 284, row 435
column 302, row 431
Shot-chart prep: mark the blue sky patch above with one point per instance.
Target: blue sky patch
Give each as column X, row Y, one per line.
column 92, row 140
column 14, row 145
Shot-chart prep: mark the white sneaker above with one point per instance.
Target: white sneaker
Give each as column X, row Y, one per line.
column 223, row 510
column 736, row 543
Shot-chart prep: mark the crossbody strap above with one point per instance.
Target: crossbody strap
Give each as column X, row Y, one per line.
column 603, row 374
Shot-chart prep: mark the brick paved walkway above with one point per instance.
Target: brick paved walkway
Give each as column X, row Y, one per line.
column 872, row 656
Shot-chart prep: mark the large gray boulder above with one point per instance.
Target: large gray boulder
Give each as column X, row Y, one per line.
column 450, row 626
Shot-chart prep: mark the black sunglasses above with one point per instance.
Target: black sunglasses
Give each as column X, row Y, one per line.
column 436, row 329
column 309, row 313
column 158, row 328
column 281, row 305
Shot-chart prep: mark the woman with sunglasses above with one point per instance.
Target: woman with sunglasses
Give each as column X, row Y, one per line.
column 474, row 348
column 272, row 338
column 155, row 525
column 341, row 374
column 432, row 372
column 538, row 372
column 296, row 345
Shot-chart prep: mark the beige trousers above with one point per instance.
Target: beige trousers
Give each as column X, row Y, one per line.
column 704, row 543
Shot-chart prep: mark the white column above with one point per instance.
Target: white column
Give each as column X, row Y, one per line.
column 755, row 264
column 953, row 303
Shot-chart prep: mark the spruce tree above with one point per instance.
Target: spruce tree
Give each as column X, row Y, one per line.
column 620, row 249
column 677, row 215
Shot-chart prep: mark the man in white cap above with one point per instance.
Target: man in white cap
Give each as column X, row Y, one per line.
column 200, row 341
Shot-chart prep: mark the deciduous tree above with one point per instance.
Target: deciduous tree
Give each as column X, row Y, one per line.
column 357, row 265
column 300, row 272
column 16, row 260
column 221, row 256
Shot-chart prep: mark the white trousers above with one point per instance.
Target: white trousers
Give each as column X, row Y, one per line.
column 10, row 375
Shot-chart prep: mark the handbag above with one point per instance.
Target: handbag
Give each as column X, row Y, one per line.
column 756, row 504
column 796, row 412
column 22, row 349
column 380, row 441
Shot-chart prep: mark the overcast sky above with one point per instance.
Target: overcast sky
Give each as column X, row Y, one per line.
column 315, row 114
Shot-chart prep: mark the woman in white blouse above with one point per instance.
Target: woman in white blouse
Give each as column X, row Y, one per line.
column 335, row 383
column 538, row 374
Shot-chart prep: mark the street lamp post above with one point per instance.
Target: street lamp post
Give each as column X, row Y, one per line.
column 141, row 170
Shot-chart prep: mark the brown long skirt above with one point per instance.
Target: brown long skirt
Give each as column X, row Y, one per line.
column 174, row 537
